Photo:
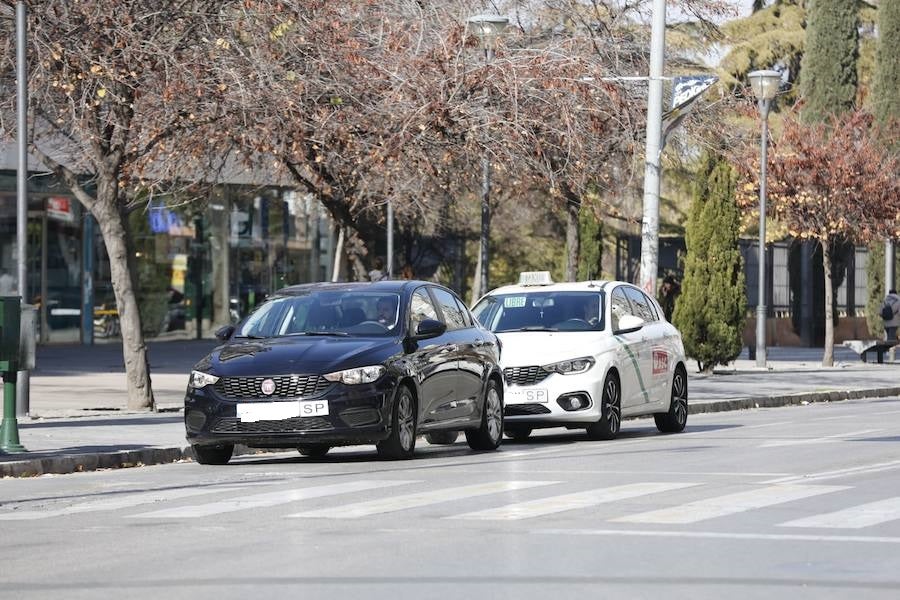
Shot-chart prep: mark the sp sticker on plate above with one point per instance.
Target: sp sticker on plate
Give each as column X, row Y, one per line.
column 660, row 362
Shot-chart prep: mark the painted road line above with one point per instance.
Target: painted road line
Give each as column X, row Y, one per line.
column 730, row 504
column 119, row 502
column 713, row 535
column 837, row 473
column 827, row 439
column 856, row 517
column 268, row 499
column 408, row 501
column 566, row 502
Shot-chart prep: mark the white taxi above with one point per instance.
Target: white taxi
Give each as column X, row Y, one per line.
column 585, row 355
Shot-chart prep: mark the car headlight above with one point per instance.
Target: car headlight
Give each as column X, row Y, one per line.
column 570, row 367
column 356, row 376
column 200, row 379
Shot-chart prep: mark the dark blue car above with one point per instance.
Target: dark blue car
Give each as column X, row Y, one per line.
column 333, row 364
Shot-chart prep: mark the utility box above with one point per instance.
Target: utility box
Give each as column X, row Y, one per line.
column 9, row 333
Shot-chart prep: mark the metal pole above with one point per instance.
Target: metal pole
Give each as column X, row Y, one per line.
column 390, row 239
column 761, row 302
column 24, row 389
column 889, row 266
column 485, row 200
column 650, row 221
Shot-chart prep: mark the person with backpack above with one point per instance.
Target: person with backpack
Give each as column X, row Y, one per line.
column 889, row 312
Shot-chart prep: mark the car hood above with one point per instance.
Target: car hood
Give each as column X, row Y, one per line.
column 526, row 348
column 296, row 355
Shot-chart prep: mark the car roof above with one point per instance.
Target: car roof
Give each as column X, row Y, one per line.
column 595, row 285
column 386, row 285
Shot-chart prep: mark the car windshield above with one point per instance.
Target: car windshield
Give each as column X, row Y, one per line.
column 542, row 311
column 324, row 313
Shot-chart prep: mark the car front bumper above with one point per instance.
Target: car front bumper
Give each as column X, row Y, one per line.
column 357, row 414
column 520, row 407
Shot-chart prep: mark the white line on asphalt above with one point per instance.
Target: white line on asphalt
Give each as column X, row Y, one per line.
column 741, row 475
column 867, row 415
column 268, row 499
column 385, row 505
column 722, row 536
column 823, row 475
column 825, row 439
column 856, row 517
column 730, row 504
column 566, row 502
column 125, row 501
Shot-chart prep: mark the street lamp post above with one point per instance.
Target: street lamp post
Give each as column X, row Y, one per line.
column 488, row 28
column 765, row 85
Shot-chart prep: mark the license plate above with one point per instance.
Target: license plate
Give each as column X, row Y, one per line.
column 250, row 412
column 527, row 396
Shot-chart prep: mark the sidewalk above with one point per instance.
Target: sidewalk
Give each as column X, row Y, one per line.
column 78, row 420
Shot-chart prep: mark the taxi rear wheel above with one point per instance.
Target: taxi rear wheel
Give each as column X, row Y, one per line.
column 314, row 450
column 519, row 434
column 607, row 428
column 213, row 455
column 675, row 419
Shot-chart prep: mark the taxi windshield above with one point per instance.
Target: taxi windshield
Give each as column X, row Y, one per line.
column 542, row 311
column 324, row 313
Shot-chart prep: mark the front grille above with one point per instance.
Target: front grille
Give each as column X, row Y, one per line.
column 518, row 410
column 524, row 375
column 286, row 386
column 233, row 425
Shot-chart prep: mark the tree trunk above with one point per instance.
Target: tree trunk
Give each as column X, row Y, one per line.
column 134, row 349
column 828, row 357
column 573, row 232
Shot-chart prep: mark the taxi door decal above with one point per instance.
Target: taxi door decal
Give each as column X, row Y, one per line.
column 660, row 362
column 637, row 368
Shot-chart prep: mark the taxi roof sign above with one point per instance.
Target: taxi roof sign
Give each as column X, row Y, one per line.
column 535, row 278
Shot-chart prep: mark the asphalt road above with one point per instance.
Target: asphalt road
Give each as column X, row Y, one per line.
column 797, row 502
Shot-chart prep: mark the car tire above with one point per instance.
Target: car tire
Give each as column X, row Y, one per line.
column 518, row 434
column 675, row 419
column 490, row 433
column 401, row 443
column 213, row 455
column 314, row 450
column 607, row 428
column 442, row 438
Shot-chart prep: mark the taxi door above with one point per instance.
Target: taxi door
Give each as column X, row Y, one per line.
column 631, row 353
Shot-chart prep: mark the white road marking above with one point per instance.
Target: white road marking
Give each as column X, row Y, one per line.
column 827, row 439
column 565, row 502
column 785, row 537
column 856, row 517
column 385, row 505
column 124, row 501
column 837, row 473
column 730, row 504
column 268, row 499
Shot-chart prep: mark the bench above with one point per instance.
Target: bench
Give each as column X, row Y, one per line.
column 863, row 347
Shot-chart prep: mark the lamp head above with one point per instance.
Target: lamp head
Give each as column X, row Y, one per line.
column 765, row 84
column 488, row 28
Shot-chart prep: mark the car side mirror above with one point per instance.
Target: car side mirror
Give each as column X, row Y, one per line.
column 430, row 328
column 629, row 323
column 223, row 333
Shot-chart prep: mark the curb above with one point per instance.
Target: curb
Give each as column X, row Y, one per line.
column 76, row 463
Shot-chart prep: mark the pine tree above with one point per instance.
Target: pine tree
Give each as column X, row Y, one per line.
column 828, row 84
column 711, row 310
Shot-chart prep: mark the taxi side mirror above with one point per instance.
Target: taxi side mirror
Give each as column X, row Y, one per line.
column 629, row 324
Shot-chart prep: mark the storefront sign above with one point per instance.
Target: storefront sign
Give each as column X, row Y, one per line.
column 60, row 208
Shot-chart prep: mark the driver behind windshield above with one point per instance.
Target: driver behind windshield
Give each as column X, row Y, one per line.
column 386, row 310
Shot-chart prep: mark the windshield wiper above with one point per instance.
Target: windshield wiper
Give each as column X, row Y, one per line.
column 532, row 328
column 251, row 337
column 323, row 333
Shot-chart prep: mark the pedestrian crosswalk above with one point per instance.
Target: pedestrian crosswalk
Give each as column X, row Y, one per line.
column 667, row 503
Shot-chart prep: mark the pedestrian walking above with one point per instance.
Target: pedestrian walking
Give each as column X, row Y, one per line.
column 889, row 312
column 668, row 293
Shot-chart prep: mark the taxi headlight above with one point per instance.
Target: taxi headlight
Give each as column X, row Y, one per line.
column 570, row 367
column 200, row 379
column 356, row 376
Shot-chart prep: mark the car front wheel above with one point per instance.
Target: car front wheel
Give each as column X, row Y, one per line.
column 490, row 432
column 675, row 419
column 213, row 455
column 401, row 443
column 607, row 428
